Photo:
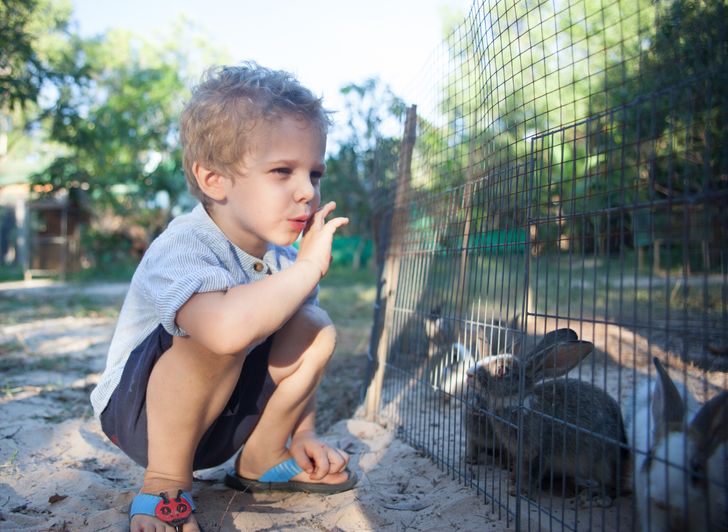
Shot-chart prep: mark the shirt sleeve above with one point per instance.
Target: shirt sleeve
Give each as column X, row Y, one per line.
column 177, row 267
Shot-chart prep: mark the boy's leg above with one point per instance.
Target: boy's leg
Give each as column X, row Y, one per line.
column 181, row 404
column 298, row 357
column 188, row 389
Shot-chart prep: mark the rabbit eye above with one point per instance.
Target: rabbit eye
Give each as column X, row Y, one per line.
column 697, row 472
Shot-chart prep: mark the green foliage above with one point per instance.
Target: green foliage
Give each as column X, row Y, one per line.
column 32, row 34
column 686, row 69
column 365, row 156
column 589, row 105
column 116, row 118
column 119, row 124
column 350, row 251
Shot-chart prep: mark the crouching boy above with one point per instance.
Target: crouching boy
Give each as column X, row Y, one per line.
column 220, row 344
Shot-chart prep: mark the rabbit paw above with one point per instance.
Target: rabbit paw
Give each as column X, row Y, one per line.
column 589, row 498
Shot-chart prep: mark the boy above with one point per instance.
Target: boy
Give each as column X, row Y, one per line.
column 220, row 341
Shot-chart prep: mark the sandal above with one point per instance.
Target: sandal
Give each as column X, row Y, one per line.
column 174, row 512
column 278, row 478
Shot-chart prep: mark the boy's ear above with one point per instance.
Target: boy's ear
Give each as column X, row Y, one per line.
column 210, row 182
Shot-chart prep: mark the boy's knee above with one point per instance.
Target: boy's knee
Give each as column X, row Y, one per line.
column 314, row 323
column 317, row 320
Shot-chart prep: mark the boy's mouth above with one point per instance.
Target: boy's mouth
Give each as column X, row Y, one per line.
column 299, row 223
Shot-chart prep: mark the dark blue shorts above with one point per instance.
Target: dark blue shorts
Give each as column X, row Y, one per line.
column 124, row 420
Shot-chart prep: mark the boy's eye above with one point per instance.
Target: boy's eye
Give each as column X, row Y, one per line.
column 317, row 175
column 282, row 170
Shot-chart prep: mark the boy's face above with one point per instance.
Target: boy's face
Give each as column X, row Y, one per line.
column 278, row 190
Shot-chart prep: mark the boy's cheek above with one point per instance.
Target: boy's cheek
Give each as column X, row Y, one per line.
column 316, row 200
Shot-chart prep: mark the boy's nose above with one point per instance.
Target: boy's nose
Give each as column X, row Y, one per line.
column 305, row 191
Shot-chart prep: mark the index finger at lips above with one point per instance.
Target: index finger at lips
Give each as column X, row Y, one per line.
column 335, row 223
column 326, row 209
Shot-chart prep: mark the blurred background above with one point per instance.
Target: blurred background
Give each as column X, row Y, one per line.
column 509, row 168
column 90, row 93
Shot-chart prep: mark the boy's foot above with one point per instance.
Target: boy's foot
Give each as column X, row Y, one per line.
column 288, row 476
column 145, row 523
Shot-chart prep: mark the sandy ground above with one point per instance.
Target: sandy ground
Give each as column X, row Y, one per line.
column 59, row 472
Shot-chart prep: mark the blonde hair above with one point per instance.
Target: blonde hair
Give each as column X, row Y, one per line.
column 225, row 107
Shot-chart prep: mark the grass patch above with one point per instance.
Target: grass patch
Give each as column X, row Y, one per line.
column 25, row 308
column 121, row 272
column 348, row 297
column 11, row 273
column 11, row 346
column 58, row 364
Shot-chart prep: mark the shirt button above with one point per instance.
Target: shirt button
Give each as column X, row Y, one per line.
column 259, row 267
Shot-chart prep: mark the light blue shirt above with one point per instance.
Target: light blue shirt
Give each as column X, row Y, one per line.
column 191, row 256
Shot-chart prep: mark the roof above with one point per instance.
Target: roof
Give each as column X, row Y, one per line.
column 18, row 171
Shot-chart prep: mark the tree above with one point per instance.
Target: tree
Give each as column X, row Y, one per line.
column 118, row 123
column 685, row 73
column 29, row 36
column 365, row 158
column 532, row 98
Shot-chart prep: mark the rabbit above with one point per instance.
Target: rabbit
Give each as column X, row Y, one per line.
column 593, row 456
column 680, row 460
column 480, row 439
column 456, row 346
column 479, row 436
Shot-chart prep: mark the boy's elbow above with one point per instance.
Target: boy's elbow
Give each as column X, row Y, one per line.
column 227, row 338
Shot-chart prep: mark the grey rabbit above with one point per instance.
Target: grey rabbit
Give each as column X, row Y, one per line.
column 571, row 428
column 479, row 436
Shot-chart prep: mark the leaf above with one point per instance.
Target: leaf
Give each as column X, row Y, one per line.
column 56, row 498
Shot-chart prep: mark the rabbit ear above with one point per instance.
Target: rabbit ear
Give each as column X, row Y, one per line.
column 517, row 345
column 668, row 408
column 483, row 342
column 551, row 339
column 516, row 333
column 709, row 428
column 559, row 359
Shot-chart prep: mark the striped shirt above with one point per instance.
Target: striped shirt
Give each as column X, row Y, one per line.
column 191, row 256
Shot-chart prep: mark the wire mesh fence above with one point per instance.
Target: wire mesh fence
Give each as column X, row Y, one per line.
column 552, row 314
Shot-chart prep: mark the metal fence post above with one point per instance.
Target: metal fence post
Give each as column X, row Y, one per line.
column 391, row 261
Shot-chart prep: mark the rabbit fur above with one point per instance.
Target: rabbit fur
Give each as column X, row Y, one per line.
column 591, row 455
column 680, row 460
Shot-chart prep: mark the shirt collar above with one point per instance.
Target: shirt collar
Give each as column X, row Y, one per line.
column 251, row 264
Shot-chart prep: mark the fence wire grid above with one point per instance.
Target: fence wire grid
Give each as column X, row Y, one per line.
column 551, row 323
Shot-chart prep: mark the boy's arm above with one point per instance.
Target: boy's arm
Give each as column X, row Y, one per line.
column 245, row 315
column 242, row 317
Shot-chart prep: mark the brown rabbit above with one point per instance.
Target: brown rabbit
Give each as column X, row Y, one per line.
column 570, row 428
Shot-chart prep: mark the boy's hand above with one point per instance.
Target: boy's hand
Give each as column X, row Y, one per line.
column 317, row 458
column 318, row 237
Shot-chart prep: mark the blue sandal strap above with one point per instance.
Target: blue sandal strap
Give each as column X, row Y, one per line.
column 282, row 472
column 146, row 503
